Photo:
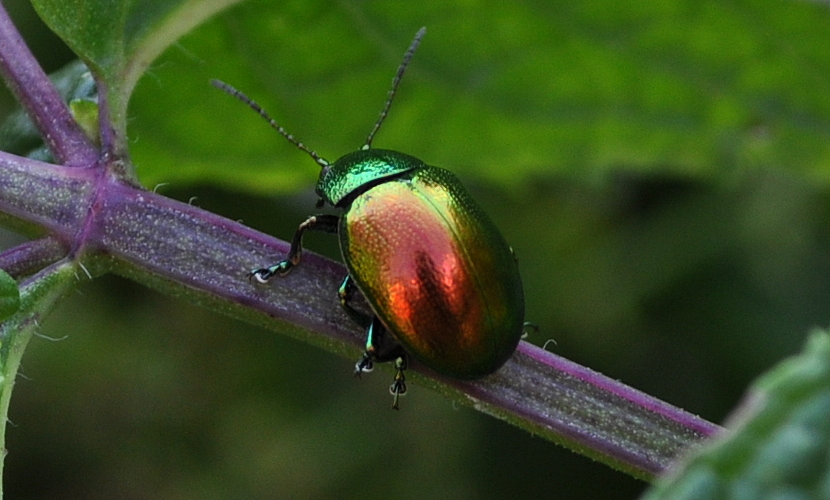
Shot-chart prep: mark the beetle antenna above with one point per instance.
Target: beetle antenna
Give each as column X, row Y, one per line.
column 228, row 89
column 395, row 82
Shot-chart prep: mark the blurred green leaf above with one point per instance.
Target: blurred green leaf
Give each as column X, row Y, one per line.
column 507, row 92
column 85, row 113
column 9, row 296
column 119, row 39
column 778, row 446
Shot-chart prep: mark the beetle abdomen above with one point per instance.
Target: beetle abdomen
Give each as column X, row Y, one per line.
column 436, row 271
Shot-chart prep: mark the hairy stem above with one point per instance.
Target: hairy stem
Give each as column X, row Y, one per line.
column 183, row 250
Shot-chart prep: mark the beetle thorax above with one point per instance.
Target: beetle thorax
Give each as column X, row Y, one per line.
column 360, row 170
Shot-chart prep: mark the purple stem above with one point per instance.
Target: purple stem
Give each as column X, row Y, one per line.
column 587, row 411
column 31, row 256
column 184, row 250
column 35, row 92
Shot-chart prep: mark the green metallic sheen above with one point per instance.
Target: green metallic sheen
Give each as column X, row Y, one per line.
column 434, row 268
column 357, row 169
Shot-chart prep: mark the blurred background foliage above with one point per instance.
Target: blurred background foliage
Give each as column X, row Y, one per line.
column 660, row 168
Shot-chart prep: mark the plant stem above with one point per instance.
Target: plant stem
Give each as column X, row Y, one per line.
column 35, row 92
column 183, row 250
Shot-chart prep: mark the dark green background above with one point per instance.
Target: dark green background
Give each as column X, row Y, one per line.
column 660, row 170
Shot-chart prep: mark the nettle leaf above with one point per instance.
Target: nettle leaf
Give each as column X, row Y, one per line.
column 779, row 443
column 504, row 91
column 119, row 39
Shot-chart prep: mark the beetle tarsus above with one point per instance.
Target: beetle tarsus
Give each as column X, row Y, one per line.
column 364, row 365
column 264, row 274
column 261, row 275
column 398, row 387
column 284, row 267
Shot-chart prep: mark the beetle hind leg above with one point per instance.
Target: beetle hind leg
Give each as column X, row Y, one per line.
column 398, row 387
column 382, row 347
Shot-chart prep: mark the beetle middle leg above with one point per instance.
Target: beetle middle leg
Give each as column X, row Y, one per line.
column 326, row 223
column 380, row 346
column 346, row 292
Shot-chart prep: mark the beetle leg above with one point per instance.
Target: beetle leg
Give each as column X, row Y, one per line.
column 375, row 333
column 380, row 346
column 398, row 387
column 363, row 365
column 346, row 291
column 326, row 223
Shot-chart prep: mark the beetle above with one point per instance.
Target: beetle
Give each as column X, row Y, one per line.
column 442, row 283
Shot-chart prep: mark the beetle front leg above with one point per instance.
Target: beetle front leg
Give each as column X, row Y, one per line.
column 326, row 223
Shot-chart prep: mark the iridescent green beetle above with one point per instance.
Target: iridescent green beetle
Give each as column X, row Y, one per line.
column 437, row 273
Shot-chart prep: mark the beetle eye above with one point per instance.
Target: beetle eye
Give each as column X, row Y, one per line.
column 320, row 203
column 325, row 171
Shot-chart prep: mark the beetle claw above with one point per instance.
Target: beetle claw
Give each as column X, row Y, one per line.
column 398, row 387
column 261, row 275
column 365, row 365
column 264, row 274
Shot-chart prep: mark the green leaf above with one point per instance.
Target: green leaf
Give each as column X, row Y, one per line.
column 779, row 444
column 505, row 91
column 9, row 296
column 85, row 113
column 119, row 39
